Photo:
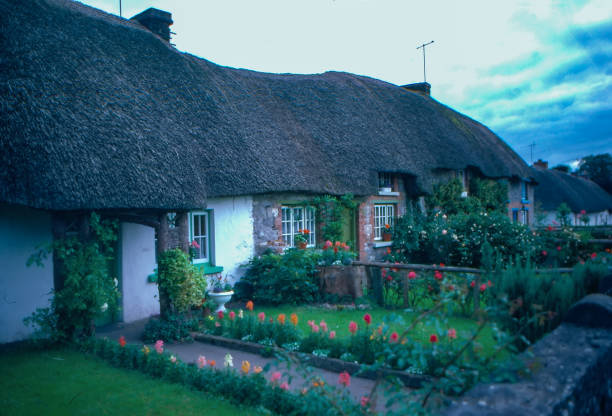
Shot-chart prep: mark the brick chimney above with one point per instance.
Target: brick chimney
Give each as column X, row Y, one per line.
column 423, row 88
column 542, row 164
column 157, row 21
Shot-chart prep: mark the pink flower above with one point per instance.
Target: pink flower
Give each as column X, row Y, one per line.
column 452, row 333
column 232, row 315
column 367, row 318
column 383, row 273
column 332, row 334
column 323, row 326
column 173, row 359
column 284, row 385
column 159, row 346
column 558, row 248
column 411, row 275
column 438, row 275
column 483, row 287
column 433, row 338
column 393, row 338
column 195, row 244
column 310, row 323
column 352, row 327
column 582, row 212
column 201, row 361
column 473, row 283
column 220, row 314
column 315, row 328
column 364, row 401
column 275, row 376
column 489, row 283
column 327, row 245
column 344, row 378
column 261, row 316
column 544, row 253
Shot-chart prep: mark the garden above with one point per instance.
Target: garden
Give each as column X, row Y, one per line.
column 421, row 322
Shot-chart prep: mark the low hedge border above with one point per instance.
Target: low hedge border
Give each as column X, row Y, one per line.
column 331, row 364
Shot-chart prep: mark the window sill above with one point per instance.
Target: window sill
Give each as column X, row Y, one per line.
column 378, row 244
column 524, row 201
column 388, row 193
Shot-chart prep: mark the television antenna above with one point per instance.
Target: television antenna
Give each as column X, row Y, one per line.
column 423, row 47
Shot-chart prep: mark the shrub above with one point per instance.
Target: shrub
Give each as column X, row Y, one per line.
column 281, row 278
column 170, row 328
column 180, row 283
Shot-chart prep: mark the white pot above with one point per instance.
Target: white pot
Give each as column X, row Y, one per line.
column 221, row 298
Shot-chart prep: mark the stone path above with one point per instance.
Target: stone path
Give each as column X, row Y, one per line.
column 189, row 353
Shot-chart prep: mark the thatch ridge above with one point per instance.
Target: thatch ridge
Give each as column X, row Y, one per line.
column 100, row 113
column 555, row 187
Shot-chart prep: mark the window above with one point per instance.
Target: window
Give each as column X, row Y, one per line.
column 525, row 216
column 295, row 219
column 383, row 214
column 515, row 214
column 199, row 228
column 524, row 194
column 385, row 180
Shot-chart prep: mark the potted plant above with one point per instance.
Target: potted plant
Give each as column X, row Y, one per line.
column 222, row 292
column 386, row 233
column 301, row 240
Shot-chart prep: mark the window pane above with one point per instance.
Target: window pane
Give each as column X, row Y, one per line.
column 199, row 230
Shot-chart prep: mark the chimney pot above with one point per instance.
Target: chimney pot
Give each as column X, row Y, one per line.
column 541, row 164
column 157, row 21
column 423, row 88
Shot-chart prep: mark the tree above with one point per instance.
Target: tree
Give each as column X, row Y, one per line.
column 562, row 168
column 598, row 168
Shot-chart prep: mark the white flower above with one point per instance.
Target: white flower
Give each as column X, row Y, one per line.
column 240, row 314
column 116, row 282
column 444, row 232
column 173, row 358
column 228, row 361
column 104, row 307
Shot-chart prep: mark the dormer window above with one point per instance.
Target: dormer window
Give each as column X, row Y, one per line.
column 385, row 182
column 524, row 192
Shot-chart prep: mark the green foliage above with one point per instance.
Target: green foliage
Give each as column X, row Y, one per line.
column 169, row 329
column 486, row 195
column 281, row 278
column 598, row 168
column 179, row 282
column 87, row 287
column 563, row 215
column 332, row 212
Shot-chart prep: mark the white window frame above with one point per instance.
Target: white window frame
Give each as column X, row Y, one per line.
column 383, row 214
column 296, row 218
column 202, row 239
column 525, row 216
column 385, row 180
column 524, row 191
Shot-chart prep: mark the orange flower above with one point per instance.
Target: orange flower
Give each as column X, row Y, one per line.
column 294, row 319
column 281, row 318
column 212, row 363
column 249, row 305
column 122, row 341
column 306, row 231
column 245, row 367
column 387, row 226
column 257, row 369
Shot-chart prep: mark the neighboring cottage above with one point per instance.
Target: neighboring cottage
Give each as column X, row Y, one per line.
column 102, row 113
column 590, row 204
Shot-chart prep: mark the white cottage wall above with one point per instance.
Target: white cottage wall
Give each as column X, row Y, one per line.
column 139, row 298
column 22, row 289
column 234, row 245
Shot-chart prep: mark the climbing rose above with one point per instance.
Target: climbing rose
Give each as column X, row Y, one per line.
column 364, row 401
column 232, row 315
column 483, row 287
column 344, row 378
column 201, row 361
column 122, row 341
column 275, row 376
column 393, row 338
column 249, row 305
column 284, row 385
column 452, row 333
column 433, row 338
column 412, row 275
column 220, row 314
column 332, row 334
column 261, row 316
column 544, row 253
column 472, row 283
column 294, row 319
column 438, row 275
column 593, row 255
column 159, row 346
column 352, row 327
column 281, row 318
column 367, row 318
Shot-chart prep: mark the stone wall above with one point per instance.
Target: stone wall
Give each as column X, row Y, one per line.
column 571, row 371
column 343, row 280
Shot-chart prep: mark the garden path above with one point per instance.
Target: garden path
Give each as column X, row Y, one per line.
column 189, row 353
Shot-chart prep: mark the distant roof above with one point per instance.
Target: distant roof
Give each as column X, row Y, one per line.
column 555, row 187
column 97, row 112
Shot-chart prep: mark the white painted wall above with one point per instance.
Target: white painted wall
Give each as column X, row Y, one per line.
column 234, row 244
column 139, row 298
column 22, row 288
column 595, row 218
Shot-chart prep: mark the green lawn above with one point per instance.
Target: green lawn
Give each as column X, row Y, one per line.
column 338, row 320
column 60, row 382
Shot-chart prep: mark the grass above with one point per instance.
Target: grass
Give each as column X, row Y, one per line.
column 397, row 320
column 61, row 382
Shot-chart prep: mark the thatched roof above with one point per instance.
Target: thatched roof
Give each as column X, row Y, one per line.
column 555, row 187
column 97, row 112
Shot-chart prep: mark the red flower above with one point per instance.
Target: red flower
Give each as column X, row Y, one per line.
column 352, row 327
column 544, row 253
column 383, row 272
column 387, row 226
column 473, row 283
column 306, row 231
column 433, row 338
column 344, row 378
column 389, row 277
column 593, row 255
column 549, row 228
column 232, row 315
column 558, row 248
column 393, row 338
column 438, row 275
column 582, row 212
column 442, row 264
column 489, row 283
column 220, row 314
column 364, row 401
column 195, row 244
column 367, row 318
column 483, row 287
column 412, row 275
column 388, row 250
column 122, row 341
